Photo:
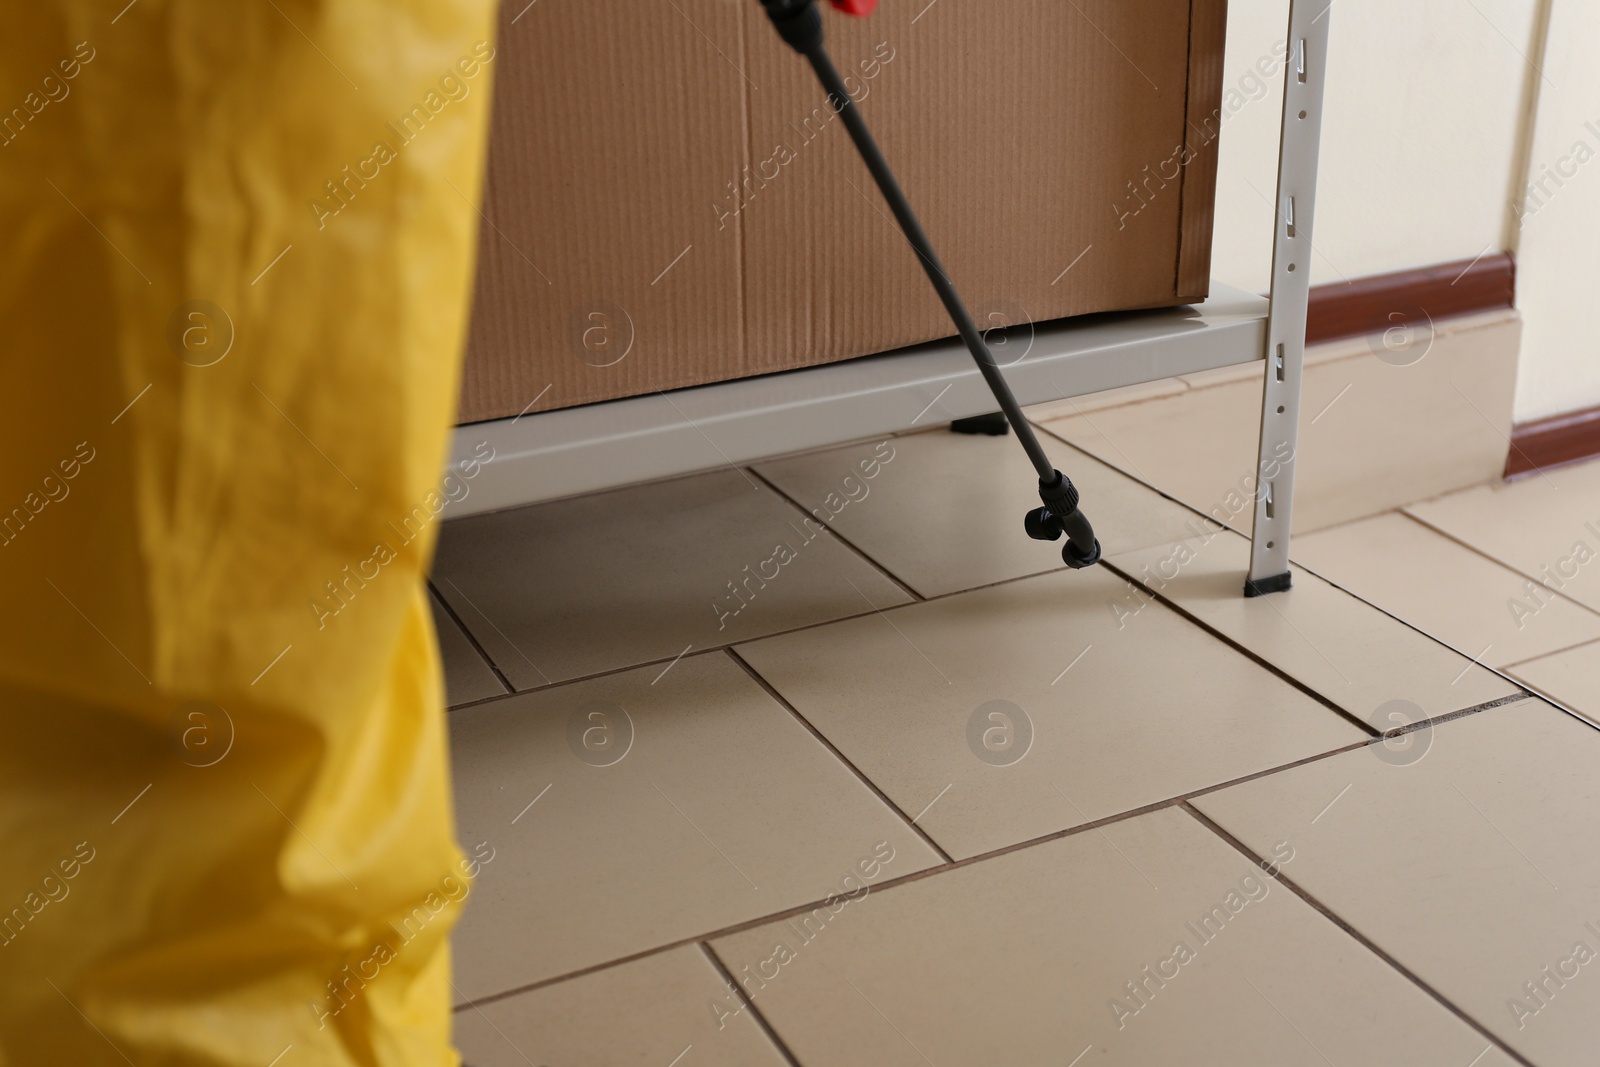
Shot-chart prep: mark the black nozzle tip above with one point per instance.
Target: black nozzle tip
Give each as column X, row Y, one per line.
column 1076, row 560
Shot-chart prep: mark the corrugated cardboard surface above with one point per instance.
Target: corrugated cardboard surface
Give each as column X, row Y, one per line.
column 670, row 200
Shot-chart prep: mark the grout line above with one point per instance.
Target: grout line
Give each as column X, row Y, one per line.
column 663, row 660
column 607, row 673
column 673, row 664
column 1085, row 456
column 1522, row 693
column 1553, row 652
column 841, row 538
column 1353, row 746
column 1587, row 718
column 1475, row 550
column 1473, row 662
column 905, row 879
column 472, row 639
column 1272, row 668
column 1366, row 942
column 1498, row 672
column 911, row 823
column 480, row 702
column 929, row 806
column 1344, row 522
column 1439, row 720
column 1097, row 458
column 748, row 1001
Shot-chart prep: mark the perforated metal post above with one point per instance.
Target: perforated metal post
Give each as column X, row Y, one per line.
column 1291, row 278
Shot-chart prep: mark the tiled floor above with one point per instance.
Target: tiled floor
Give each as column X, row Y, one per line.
column 1365, row 425
column 1455, row 593
column 829, row 764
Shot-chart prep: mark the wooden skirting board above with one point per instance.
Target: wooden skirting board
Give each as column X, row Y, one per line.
column 1550, row 442
column 1410, row 297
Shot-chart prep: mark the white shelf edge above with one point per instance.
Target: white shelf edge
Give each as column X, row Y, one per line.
column 569, row 451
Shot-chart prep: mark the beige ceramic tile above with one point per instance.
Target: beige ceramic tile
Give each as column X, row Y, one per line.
column 943, row 511
column 1373, row 436
column 1468, row 856
column 1545, row 525
column 1571, row 677
column 575, row 587
column 1444, row 589
column 626, row 813
column 653, row 1011
column 466, row 676
column 1150, row 941
column 1111, row 398
column 1012, row 712
column 1331, row 642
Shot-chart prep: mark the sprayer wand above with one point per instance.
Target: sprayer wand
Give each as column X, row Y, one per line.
column 799, row 23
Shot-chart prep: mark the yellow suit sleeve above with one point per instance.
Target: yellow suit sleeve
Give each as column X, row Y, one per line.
column 240, row 246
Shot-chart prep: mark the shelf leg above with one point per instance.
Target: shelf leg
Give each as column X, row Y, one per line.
column 1291, row 281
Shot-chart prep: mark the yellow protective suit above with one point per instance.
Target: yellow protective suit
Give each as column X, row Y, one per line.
column 238, row 249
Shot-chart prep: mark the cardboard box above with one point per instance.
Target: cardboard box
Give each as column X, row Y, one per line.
column 671, row 201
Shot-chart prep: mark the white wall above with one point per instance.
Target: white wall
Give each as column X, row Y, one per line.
column 1421, row 137
column 1558, row 239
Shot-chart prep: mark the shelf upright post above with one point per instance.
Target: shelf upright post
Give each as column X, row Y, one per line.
column 1291, row 279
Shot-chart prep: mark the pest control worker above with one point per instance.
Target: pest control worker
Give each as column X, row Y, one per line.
column 239, row 248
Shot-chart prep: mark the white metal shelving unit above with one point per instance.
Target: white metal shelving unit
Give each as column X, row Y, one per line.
column 560, row 453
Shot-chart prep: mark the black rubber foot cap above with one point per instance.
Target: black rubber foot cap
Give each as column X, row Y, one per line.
column 1276, row 584
column 994, row 425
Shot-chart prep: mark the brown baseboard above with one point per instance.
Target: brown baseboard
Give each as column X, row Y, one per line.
column 1552, row 442
column 1377, row 302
